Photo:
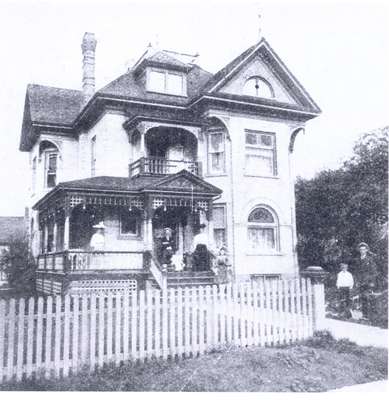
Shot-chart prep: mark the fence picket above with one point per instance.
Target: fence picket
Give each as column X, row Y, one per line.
column 298, row 310
column 142, row 325
column 172, row 322
column 39, row 334
column 250, row 314
column 180, row 350
column 165, row 324
column 126, row 327
column 84, row 329
column 48, row 339
column 235, row 310
column 134, row 326
column 310, row 306
column 187, row 322
column 201, row 320
column 2, row 337
column 304, row 307
column 118, row 328
column 19, row 358
column 57, row 335
column 101, row 336
column 262, row 322
column 149, row 310
column 11, row 339
column 157, row 328
column 255, row 314
column 109, row 327
column 66, row 335
column 208, row 319
column 30, row 337
column 92, row 349
column 194, row 321
column 75, row 331
column 228, row 314
column 276, row 330
column 222, row 314
column 293, row 306
column 215, row 316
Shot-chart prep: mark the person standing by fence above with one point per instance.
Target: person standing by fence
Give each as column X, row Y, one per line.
column 366, row 277
column 344, row 284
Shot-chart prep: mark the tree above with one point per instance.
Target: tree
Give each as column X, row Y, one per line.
column 337, row 209
column 19, row 266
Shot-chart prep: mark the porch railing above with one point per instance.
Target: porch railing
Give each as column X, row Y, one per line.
column 162, row 166
column 156, row 271
column 81, row 260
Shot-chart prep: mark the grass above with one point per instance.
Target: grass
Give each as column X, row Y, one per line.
column 318, row 364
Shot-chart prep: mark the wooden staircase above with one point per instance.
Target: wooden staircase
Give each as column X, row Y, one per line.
column 187, row 279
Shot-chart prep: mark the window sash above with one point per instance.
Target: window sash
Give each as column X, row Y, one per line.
column 216, row 152
column 166, row 82
column 51, row 166
column 262, row 238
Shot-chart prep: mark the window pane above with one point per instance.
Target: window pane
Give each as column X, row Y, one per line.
column 218, row 218
column 51, row 180
column 261, row 238
column 174, row 84
column 266, row 140
column 259, row 164
column 261, row 215
column 128, row 223
column 157, row 81
column 216, row 142
column 251, row 138
column 217, row 162
column 53, row 162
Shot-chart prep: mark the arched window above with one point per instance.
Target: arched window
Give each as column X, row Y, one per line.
column 50, row 155
column 258, row 87
column 263, row 230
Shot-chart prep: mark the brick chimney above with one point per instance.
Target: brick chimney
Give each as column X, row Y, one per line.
column 88, row 47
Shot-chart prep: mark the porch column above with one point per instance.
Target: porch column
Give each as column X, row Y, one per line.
column 148, row 224
column 45, row 237
column 66, row 229
column 55, row 230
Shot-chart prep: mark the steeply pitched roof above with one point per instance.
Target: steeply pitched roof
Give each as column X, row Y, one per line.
column 11, row 227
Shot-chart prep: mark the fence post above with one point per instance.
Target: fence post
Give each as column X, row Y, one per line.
column 317, row 276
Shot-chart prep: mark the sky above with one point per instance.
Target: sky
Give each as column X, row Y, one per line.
column 338, row 50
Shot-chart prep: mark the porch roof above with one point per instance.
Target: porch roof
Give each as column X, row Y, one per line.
column 182, row 183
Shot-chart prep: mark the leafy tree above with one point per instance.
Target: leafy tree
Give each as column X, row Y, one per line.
column 338, row 209
column 19, row 266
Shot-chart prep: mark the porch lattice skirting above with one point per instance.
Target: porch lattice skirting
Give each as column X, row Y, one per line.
column 58, row 335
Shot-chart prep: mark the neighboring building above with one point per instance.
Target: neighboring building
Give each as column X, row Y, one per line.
column 165, row 144
column 10, row 228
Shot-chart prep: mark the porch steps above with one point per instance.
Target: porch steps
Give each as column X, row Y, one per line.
column 188, row 279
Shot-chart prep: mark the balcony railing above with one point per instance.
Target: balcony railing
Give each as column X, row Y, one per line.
column 81, row 260
column 162, row 166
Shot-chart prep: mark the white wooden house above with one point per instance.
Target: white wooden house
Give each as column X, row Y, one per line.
column 165, row 144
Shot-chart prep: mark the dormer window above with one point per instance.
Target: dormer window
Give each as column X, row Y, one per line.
column 167, row 82
column 258, row 87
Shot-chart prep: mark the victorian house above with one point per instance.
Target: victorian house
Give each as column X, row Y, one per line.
column 166, row 144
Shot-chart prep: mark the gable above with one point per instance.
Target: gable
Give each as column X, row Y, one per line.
column 261, row 61
column 256, row 68
column 184, row 181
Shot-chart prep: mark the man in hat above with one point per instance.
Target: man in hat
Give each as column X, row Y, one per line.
column 202, row 249
column 166, row 247
column 97, row 242
column 367, row 275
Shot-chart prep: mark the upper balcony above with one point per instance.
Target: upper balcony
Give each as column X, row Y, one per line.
column 162, row 166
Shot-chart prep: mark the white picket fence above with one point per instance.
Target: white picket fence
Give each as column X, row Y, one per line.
column 59, row 335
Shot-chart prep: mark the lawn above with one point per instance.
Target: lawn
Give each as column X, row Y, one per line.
column 318, row 364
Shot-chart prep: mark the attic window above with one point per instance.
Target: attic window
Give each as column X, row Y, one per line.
column 167, row 82
column 258, row 87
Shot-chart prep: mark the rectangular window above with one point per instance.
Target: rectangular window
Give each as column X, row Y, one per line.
column 93, row 156
column 260, row 154
column 51, row 159
column 166, row 82
column 129, row 223
column 216, row 153
column 219, row 225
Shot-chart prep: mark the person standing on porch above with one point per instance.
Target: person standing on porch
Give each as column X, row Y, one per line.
column 344, row 284
column 167, row 247
column 202, row 251
column 97, row 242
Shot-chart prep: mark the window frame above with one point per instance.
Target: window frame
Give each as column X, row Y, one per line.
column 223, row 206
column 263, row 80
column 47, row 155
column 210, row 171
column 251, row 150
column 166, row 73
column 275, row 226
column 137, row 215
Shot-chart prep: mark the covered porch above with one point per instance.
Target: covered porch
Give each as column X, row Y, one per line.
column 135, row 212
